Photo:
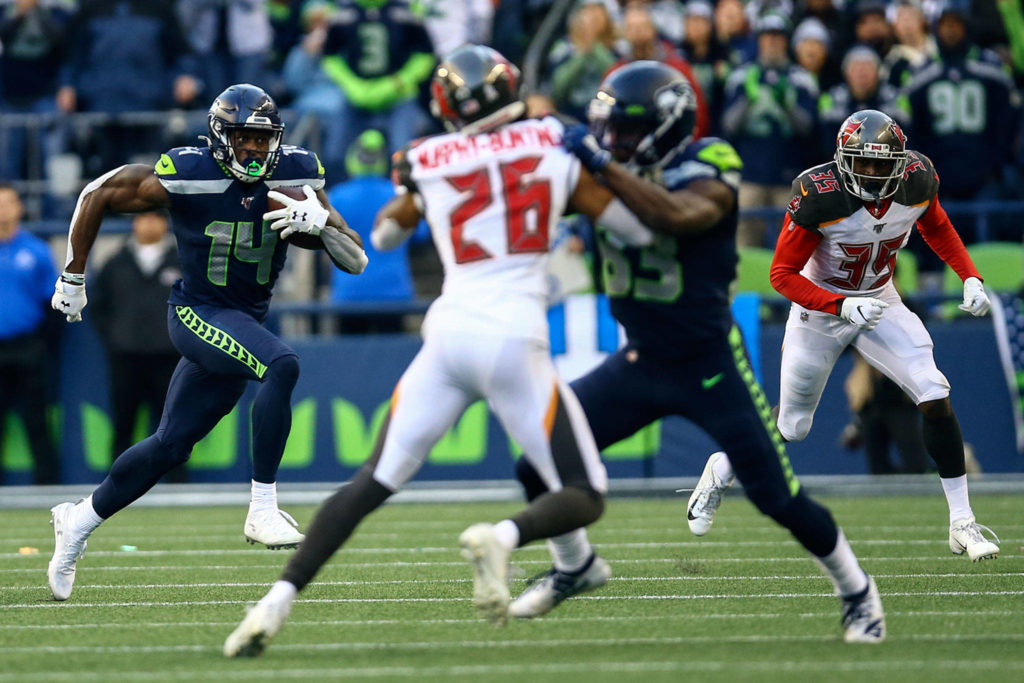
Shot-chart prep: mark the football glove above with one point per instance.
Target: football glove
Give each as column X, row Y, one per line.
column 579, row 142
column 863, row 311
column 975, row 299
column 69, row 296
column 305, row 215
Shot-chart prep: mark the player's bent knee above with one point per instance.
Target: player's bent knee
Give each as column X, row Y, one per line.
column 591, row 505
column 284, row 370
column 936, row 409
column 794, row 428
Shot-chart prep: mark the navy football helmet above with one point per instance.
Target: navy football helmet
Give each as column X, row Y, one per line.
column 870, row 134
column 644, row 112
column 475, row 89
column 245, row 106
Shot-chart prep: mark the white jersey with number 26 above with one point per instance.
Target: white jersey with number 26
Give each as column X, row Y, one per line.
column 492, row 201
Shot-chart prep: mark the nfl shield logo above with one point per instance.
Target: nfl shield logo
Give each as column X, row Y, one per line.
column 247, row 202
column 804, row 316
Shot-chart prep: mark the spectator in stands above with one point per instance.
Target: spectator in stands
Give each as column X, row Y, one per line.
column 708, row 58
column 871, row 27
column 313, row 91
column 126, row 55
column 231, row 40
column 965, row 112
column 914, row 46
column 812, row 49
column 32, row 36
column 134, row 327
column 862, row 89
column 642, row 42
column 453, row 23
column 827, row 12
column 732, row 31
column 286, row 28
column 668, row 16
column 379, row 54
column 579, row 62
column 367, row 189
column 26, row 275
column 769, row 117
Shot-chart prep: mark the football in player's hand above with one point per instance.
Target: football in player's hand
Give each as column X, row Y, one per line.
column 297, row 238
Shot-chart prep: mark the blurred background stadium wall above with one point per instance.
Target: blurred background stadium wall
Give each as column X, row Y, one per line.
column 76, row 100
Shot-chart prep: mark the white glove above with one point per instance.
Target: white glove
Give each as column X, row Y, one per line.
column 975, row 300
column 69, row 298
column 306, row 215
column 863, row 311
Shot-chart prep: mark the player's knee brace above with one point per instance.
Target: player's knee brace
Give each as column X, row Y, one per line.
column 528, row 476
column 284, row 371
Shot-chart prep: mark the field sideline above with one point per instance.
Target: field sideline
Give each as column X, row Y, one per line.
column 743, row 603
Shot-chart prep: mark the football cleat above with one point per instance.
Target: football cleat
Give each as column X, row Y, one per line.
column 490, row 572
column 273, row 528
column 259, row 627
column 863, row 619
column 706, row 497
column 549, row 590
column 965, row 534
column 68, row 546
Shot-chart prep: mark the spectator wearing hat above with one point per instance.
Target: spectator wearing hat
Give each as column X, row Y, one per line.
column 367, row 189
column 579, row 61
column 862, row 88
column 812, row 48
column 708, row 59
column 829, row 14
column 769, row 118
column 914, row 46
column 733, row 33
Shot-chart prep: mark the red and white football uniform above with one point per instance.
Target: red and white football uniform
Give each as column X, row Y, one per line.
column 492, row 201
column 834, row 245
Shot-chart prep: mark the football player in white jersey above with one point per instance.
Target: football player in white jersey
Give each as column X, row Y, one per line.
column 492, row 190
column 844, row 226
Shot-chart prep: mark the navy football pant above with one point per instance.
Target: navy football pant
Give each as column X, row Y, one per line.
column 222, row 351
column 715, row 389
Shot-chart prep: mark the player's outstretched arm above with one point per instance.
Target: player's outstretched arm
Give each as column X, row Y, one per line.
column 395, row 222
column 128, row 189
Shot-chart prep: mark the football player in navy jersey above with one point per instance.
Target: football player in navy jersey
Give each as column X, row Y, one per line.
column 231, row 250
column 684, row 354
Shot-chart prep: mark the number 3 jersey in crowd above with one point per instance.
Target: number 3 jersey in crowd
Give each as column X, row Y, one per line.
column 674, row 294
column 834, row 245
column 229, row 257
column 492, row 201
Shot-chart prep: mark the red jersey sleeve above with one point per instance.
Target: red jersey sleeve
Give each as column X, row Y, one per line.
column 792, row 251
column 938, row 232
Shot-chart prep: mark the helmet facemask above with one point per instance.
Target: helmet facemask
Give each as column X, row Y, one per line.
column 245, row 163
column 871, row 141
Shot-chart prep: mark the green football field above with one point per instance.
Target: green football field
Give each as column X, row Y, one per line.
column 743, row 603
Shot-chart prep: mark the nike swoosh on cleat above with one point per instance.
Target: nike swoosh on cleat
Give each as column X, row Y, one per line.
column 709, row 382
column 689, row 514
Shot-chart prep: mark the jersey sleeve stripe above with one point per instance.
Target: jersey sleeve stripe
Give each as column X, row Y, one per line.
column 196, row 186
column 315, row 183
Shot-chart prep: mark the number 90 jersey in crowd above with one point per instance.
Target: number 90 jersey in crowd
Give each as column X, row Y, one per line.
column 859, row 239
column 675, row 293
column 229, row 257
column 492, row 201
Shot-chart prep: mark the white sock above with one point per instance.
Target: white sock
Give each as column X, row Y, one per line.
column 85, row 519
column 507, row 534
column 956, row 497
column 281, row 592
column 264, row 496
column 842, row 567
column 570, row 551
column 723, row 469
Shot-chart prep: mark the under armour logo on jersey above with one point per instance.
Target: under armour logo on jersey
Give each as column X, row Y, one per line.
column 296, row 219
column 247, row 203
column 878, row 227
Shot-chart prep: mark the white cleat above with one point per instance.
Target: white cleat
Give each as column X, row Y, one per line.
column 259, row 627
column 965, row 534
column 863, row 619
column 273, row 528
column 490, row 572
column 553, row 587
column 706, row 497
column 67, row 548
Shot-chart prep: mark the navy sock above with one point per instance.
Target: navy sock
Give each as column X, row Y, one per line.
column 272, row 417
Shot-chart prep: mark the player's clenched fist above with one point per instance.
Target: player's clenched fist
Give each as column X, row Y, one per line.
column 975, row 299
column 863, row 311
column 69, row 296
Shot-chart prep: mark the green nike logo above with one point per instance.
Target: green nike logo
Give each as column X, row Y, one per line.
column 709, row 382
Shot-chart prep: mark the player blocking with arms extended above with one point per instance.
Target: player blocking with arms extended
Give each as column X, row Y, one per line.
column 684, row 354
column 492, row 190
column 231, row 250
column 843, row 229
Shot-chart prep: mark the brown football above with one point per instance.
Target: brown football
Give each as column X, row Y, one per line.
column 298, row 239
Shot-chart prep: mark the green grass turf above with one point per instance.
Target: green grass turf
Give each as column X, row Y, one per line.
column 744, row 603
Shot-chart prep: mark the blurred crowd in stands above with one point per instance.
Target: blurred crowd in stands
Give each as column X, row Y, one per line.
column 87, row 85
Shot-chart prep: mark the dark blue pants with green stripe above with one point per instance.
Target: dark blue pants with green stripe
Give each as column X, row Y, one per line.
column 714, row 388
column 222, row 350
